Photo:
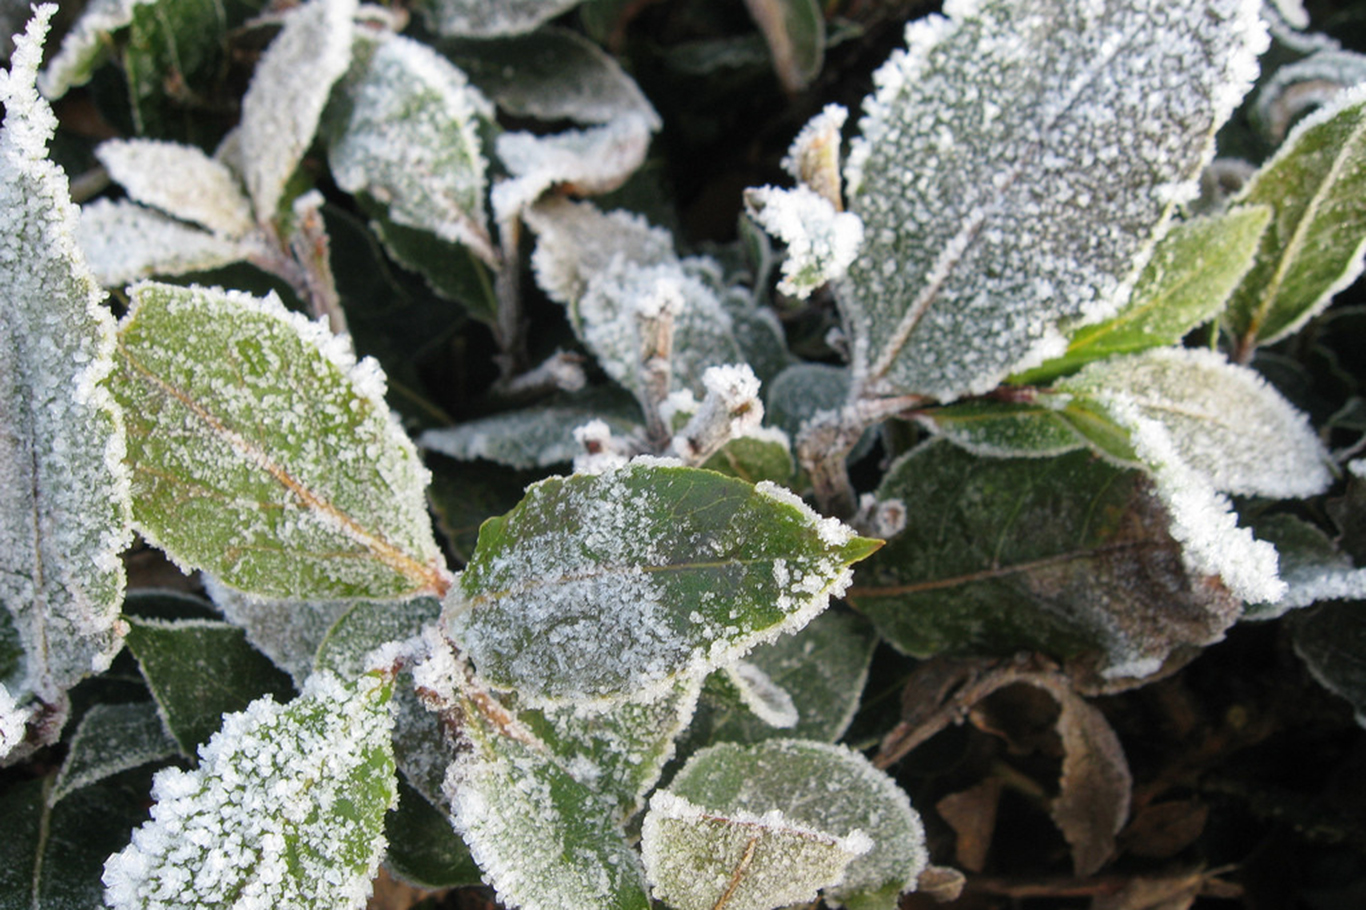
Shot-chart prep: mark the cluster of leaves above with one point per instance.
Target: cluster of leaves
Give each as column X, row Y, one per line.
column 1050, row 305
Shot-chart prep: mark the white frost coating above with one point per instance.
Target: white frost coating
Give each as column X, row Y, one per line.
column 833, row 532
column 12, row 721
column 691, row 855
column 769, row 701
column 263, row 817
column 281, row 108
column 821, row 242
column 1311, row 586
column 814, row 156
column 1225, row 420
column 181, row 181
column 1203, row 520
column 85, row 44
column 64, row 492
column 1292, row 11
column 411, row 140
column 482, row 19
column 731, row 409
column 1017, row 163
column 1297, row 87
column 1357, row 468
column 124, row 242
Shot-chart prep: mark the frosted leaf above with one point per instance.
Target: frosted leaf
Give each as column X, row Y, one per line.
column 544, row 840
column 110, row 739
column 1314, row 247
column 286, row 809
column 699, row 859
column 13, row 722
column 552, row 74
column 409, row 138
column 481, row 19
column 814, row 158
column 1292, row 11
column 1069, row 556
column 124, row 242
column 181, row 181
column 821, row 242
column 612, row 270
column 264, row 453
column 1297, row 88
column 611, row 586
column 819, row 787
column 1001, row 429
column 585, row 162
column 794, row 31
column 1225, row 421
column 1311, row 566
column 620, row 752
column 63, row 489
column 286, row 631
column 537, row 437
column 85, row 45
column 1193, row 271
column 1330, row 641
column 765, row 699
column 1015, row 167
column 285, row 100
column 1202, row 519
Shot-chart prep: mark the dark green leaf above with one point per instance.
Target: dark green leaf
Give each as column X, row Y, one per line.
column 1332, row 641
column 111, row 739
column 423, row 848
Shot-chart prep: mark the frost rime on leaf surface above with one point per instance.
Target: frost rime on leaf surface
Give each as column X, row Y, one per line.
column 85, row 44
column 286, row 809
column 480, row 18
column 124, row 242
column 608, row 587
column 63, row 490
column 1016, row 164
column 262, row 451
column 181, row 181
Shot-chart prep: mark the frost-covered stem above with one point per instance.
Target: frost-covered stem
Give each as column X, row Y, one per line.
column 656, row 370
column 309, row 247
column 507, row 287
column 731, row 408
column 828, row 438
column 560, row 372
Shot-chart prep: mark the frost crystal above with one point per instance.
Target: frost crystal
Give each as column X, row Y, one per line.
column 85, row 44
column 63, row 487
column 1016, row 164
column 821, row 242
column 12, row 721
column 285, row 809
column 181, row 181
column 814, row 158
column 124, row 242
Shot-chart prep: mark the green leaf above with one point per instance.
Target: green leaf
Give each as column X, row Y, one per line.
column 480, row 19
column 125, row 242
column 181, row 181
column 262, row 452
column 762, row 454
column 997, row 429
column 283, row 105
column 63, row 494
column 1311, row 565
column 423, row 848
column 544, row 840
column 450, row 270
column 111, row 739
column 366, row 626
column 1193, row 271
column 1225, row 421
column 51, row 855
column 620, row 752
column 1065, row 555
column 86, row 45
column 795, row 32
column 465, row 494
column 407, row 134
column 199, row 670
column 801, row 805
column 296, row 792
column 823, row 668
column 1314, row 246
column 1010, row 188
column 599, row 587
column 1331, row 641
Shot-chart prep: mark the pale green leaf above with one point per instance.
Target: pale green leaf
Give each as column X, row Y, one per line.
column 821, row 242
column 111, row 739
column 286, row 809
column 804, row 785
column 63, row 490
column 181, row 181
column 536, row 437
column 1225, row 420
column 619, row 752
column 589, row 162
column 124, row 242
column 282, row 107
column 86, row 45
column 1331, row 641
column 1316, row 184
column 760, row 454
column 614, row 272
column 198, row 670
column 610, row 586
column 545, row 840
column 370, row 624
column 408, row 136
column 1010, row 179
column 263, row 452
column 1000, row 429
column 823, row 668
column 1069, row 556
column 1193, row 271
column 481, row 19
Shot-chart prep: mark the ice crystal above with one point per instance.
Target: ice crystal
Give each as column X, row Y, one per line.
column 821, row 242
column 85, row 44
column 181, row 181
column 13, row 720
column 479, row 18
